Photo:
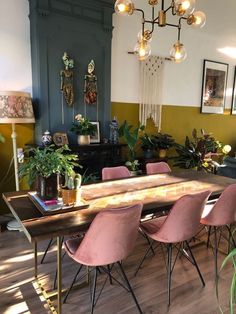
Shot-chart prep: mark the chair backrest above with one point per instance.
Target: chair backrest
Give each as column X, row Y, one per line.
column 119, row 172
column 157, row 167
column 224, row 210
column 111, row 236
column 183, row 220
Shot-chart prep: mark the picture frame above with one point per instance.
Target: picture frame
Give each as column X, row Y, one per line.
column 214, row 83
column 60, row 139
column 96, row 137
column 233, row 105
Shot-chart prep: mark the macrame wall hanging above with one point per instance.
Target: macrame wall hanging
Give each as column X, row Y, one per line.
column 90, row 88
column 151, row 79
column 67, row 88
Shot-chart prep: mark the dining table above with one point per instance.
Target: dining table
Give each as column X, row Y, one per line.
column 157, row 193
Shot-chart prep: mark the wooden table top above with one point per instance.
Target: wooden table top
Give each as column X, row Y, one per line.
column 156, row 192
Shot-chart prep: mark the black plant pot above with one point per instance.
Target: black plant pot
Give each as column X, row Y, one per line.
column 147, row 154
column 47, row 188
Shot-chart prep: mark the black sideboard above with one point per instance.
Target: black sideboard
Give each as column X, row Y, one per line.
column 94, row 157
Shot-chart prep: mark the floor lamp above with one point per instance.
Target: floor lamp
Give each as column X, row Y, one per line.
column 15, row 107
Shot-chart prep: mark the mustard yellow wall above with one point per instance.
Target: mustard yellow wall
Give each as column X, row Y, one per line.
column 179, row 121
column 25, row 135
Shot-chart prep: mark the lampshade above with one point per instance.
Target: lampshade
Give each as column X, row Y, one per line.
column 16, row 107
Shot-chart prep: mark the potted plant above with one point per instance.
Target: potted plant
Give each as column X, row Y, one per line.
column 44, row 166
column 133, row 166
column 148, row 146
column 83, row 128
column 71, row 191
column 163, row 142
column 131, row 137
column 196, row 153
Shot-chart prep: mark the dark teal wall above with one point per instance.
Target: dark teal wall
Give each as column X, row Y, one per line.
column 83, row 29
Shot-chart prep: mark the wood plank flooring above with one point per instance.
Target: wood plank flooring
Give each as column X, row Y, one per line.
column 17, row 294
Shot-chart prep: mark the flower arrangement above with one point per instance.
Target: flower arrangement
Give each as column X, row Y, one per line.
column 82, row 126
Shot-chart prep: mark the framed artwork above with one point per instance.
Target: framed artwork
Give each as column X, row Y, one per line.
column 60, row 139
column 214, row 84
column 96, row 137
column 233, row 108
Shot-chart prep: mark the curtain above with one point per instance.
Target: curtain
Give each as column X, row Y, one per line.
column 151, row 79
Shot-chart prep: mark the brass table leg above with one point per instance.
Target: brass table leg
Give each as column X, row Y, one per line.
column 35, row 260
column 59, row 276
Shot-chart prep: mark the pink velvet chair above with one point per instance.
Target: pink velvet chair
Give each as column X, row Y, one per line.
column 221, row 214
column 119, row 172
column 110, row 238
column 179, row 226
column 157, row 167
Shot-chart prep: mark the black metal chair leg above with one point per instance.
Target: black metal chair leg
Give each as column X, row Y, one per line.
column 72, row 284
column 45, row 252
column 94, row 289
column 142, row 260
column 55, row 278
column 195, row 263
column 129, row 286
column 208, row 236
column 169, row 271
column 109, row 274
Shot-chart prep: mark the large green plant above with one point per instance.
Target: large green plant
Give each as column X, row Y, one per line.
column 194, row 152
column 48, row 161
column 231, row 258
column 147, row 142
column 131, row 136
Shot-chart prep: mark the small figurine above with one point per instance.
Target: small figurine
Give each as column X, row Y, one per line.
column 114, row 131
column 67, row 79
column 90, row 85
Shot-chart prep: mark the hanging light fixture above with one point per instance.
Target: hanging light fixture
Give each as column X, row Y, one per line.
column 183, row 9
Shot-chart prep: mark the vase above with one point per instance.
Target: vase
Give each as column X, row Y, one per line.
column 47, row 188
column 83, row 139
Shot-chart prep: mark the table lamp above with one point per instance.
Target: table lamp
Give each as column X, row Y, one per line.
column 15, row 107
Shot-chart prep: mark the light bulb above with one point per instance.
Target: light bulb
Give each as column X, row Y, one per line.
column 124, row 7
column 142, row 49
column 184, row 7
column 178, row 52
column 197, row 19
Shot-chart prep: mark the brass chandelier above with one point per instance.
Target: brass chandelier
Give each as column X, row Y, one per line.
column 182, row 9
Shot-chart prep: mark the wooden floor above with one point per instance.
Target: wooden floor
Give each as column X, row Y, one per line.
column 17, row 294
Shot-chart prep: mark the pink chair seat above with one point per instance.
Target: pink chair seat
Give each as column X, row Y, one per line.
column 119, row 172
column 157, row 167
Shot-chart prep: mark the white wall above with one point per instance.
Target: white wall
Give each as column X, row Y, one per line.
column 15, row 59
column 182, row 82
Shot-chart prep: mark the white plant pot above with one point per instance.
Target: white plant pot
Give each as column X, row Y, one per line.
column 83, row 139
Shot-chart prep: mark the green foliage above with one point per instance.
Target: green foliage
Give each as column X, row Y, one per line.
column 231, row 258
column 194, row 152
column 73, row 181
column 82, row 126
column 130, row 136
column 133, row 165
column 147, row 143
column 47, row 161
column 163, row 141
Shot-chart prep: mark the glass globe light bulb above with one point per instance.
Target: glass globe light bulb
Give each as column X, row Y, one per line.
column 197, row 19
column 142, row 49
column 178, row 52
column 184, row 7
column 124, row 7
